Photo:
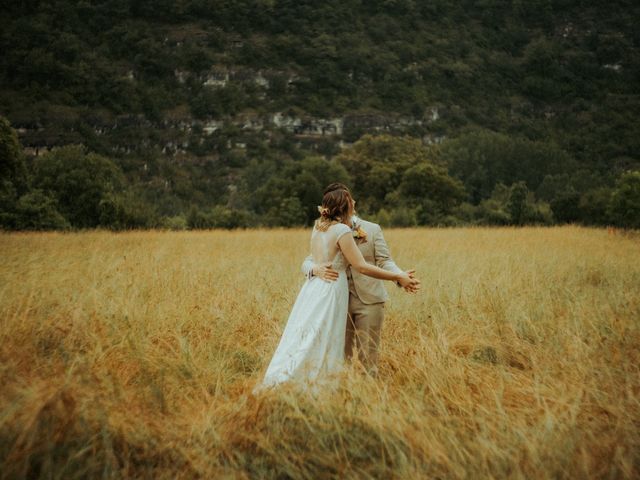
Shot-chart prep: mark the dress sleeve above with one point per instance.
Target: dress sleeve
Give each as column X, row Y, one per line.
column 341, row 229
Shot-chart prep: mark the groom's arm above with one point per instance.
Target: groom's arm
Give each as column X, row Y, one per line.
column 382, row 255
column 384, row 260
column 307, row 267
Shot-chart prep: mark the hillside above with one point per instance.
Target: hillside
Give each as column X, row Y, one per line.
column 184, row 96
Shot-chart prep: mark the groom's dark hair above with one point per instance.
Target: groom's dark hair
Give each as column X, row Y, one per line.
column 336, row 186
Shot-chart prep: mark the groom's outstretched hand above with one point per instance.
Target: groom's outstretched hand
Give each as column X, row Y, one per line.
column 415, row 286
column 325, row 272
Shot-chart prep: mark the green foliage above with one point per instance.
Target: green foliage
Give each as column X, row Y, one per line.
column 513, row 205
column 12, row 166
column 8, row 199
column 410, row 183
column 625, row 201
column 482, row 159
column 594, row 206
column 218, row 217
column 566, row 207
column 581, row 196
column 289, row 213
column 177, row 222
column 80, row 182
column 536, row 91
column 126, row 210
column 403, row 217
column 517, row 204
column 377, row 165
column 274, row 189
column 20, row 207
column 429, row 185
column 398, row 177
column 216, row 102
column 314, row 174
column 37, row 211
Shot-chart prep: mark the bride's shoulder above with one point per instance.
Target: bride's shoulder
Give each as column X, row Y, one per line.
column 340, row 229
column 320, row 226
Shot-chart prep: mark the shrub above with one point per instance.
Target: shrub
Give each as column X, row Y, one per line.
column 625, row 201
column 37, row 211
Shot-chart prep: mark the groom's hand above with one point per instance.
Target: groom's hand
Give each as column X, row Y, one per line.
column 415, row 286
column 325, row 272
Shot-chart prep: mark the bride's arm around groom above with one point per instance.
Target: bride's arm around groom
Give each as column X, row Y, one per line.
column 376, row 253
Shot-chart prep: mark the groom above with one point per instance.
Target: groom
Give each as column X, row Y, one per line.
column 366, row 294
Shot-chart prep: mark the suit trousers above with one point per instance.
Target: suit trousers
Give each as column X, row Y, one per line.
column 363, row 328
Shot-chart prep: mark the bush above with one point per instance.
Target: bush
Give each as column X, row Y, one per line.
column 382, row 218
column 37, row 211
column 80, row 182
column 482, row 159
column 403, row 217
column 12, row 166
column 565, row 207
column 8, row 198
column 126, row 211
column 493, row 212
column 178, row 222
column 218, row 217
column 288, row 214
column 625, row 201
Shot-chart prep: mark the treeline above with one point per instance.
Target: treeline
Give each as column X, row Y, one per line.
column 481, row 178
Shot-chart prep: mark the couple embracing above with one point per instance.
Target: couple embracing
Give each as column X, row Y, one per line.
column 342, row 300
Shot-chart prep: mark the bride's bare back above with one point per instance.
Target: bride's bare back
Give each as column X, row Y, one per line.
column 324, row 245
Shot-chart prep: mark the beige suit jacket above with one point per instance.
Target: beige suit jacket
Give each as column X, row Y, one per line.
column 375, row 252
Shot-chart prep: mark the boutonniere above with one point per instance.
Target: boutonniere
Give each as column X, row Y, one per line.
column 359, row 234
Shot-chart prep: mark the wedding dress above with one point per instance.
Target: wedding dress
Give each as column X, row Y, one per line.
column 311, row 349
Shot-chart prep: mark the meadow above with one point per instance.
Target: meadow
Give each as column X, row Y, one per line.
column 133, row 355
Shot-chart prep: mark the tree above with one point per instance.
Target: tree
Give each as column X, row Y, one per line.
column 126, row 210
column 625, row 201
column 218, row 216
column 8, row 199
column 400, row 176
column 482, row 159
column 13, row 175
column 37, row 211
column 427, row 181
column 377, row 165
column 12, row 166
column 565, row 206
column 316, row 173
column 430, row 192
column 79, row 182
column 518, row 203
column 288, row 214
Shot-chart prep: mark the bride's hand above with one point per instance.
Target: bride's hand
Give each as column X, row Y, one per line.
column 325, row 272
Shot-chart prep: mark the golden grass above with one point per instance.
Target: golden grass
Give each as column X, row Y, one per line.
column 134, row 355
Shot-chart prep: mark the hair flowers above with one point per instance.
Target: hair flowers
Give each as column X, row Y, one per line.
column 324, row 211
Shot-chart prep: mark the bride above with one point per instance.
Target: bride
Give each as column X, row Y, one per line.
column 311, row 349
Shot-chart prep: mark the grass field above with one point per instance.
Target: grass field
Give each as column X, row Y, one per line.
column 134, row 355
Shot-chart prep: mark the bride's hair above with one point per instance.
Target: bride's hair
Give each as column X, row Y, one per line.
column 336, row 206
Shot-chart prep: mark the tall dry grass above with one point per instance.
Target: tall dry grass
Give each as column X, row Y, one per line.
column 134, row 355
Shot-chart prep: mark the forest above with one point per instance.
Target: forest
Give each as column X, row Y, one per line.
column 207, row 114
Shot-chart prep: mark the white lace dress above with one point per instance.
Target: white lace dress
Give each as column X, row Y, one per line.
column 311, row 349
